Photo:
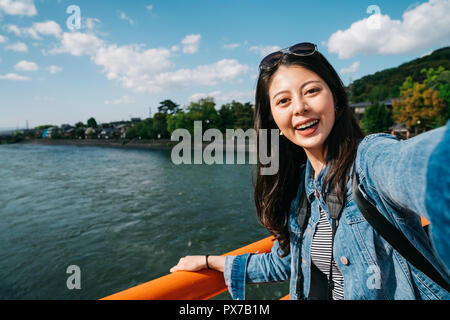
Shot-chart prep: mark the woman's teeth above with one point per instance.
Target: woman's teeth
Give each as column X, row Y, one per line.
column 307, row 125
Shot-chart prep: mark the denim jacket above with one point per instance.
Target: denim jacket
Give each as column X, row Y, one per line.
column 405, row 180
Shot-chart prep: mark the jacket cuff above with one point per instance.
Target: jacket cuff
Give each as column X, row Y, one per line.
column 235, row 270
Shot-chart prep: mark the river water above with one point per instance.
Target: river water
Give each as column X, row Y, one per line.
column 123, row 216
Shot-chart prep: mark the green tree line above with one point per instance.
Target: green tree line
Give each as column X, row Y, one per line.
column 386, row 83
column 170, row 117
column 420, row 106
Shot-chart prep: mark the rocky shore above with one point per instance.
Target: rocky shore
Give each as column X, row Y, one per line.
column 161, row 144
column 115, row 143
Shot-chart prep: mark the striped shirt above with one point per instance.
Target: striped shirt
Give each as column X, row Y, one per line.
column 321, row 254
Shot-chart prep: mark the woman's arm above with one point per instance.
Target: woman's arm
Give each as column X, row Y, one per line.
column 196, row 263
column 438, row 204
column 242, row 269
column 413, row 175
column 399, row 171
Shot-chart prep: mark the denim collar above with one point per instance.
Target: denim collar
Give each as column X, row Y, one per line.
column 310, row 181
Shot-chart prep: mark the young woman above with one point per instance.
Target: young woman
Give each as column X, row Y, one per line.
column 300, row 93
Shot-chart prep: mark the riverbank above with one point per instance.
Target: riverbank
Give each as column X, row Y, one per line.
column 146, row 144
column 165, row 144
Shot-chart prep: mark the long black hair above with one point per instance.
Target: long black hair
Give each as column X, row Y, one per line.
column 274, row 193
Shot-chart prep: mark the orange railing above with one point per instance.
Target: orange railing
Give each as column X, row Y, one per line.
column 182, row 285
column 201, row 285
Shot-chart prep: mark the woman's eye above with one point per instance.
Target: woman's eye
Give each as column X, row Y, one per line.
column 283, row 101
column 313, row 90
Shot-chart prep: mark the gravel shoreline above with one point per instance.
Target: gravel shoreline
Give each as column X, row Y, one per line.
column 162, row 144
column 135, row 144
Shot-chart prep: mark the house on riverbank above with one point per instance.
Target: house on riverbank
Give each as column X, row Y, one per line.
column 360, row 107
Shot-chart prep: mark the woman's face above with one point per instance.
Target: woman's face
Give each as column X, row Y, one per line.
column 302, row 106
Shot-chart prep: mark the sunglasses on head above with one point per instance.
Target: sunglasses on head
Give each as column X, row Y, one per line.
column 300, row 49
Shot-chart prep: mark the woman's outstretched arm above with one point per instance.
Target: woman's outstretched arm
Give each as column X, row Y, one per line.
column 413, row 175
column 399, row 171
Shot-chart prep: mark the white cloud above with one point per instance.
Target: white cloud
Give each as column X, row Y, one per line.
column 231, row 45
column 91, row 23
column 144, row 70
column 18, row 7
column 222, row 71
column 77, row 44
column 264, row 50
column 149, row 7
column 3, row 39
column 191, row 43
column 13, row 76
column 197, row 96
column 421, row 27
column 14, row 29
column 141, row 69
column 39, row 28
column 123, row 16
column 54, row 69
column 130, row 64
column 225, row 97
column 353, row 68
column 122, row 100
column 17, row 47
column 48, row 28
column 25, row 65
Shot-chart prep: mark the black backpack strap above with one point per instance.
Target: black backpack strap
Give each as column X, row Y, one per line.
column 303, row 214
column 393, row 236
column 335, row 206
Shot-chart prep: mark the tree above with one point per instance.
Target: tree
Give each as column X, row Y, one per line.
column 439, row 80
column 243, row 113
column 181, row 120
column 391, row 79
column 143, row 129
column 227, row 117
column 91, row 123
column 420, row 108
column 160, row 125
column 168, row 107
column 378, row 93
column 79, row 132
column 376, row 118
column 204, row 110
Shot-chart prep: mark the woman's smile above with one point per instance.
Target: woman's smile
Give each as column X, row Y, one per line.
column 307, row 129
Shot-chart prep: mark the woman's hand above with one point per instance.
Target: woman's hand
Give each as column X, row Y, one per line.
column 196, row 263
column 190, row 263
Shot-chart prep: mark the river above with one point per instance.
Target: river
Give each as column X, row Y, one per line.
column 122, row 216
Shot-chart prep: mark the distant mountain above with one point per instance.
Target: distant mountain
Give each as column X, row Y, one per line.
column 385, row 84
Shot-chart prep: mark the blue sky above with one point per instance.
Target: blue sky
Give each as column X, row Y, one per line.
column 127, row 56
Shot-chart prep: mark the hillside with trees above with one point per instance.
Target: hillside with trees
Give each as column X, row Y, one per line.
column 386, row 83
